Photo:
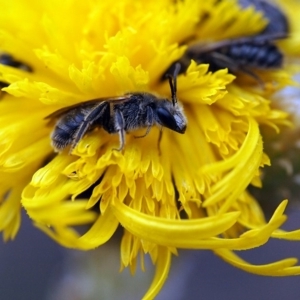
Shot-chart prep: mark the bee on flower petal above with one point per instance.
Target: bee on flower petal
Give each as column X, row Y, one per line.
column 119, row 115
column 244, row 54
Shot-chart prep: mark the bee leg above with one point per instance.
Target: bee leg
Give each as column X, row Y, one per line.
column 146, row 133
column 159, row 140
column 119, row 124
column 148, row 123
column 86, row 124
column 225, row 62
column 254, row 76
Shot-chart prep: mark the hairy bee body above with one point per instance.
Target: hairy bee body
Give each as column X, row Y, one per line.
column 256, row 55
column 244, row 54
column 247, row 55
column 117, row 115
column 66, row 128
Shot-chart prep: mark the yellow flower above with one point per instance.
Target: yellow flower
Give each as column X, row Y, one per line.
column 191, row 195
column 292, row 44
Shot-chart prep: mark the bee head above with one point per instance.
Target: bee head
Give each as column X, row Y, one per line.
column 170, row 114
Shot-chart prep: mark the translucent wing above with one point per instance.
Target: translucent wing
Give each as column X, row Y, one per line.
column 86, row 104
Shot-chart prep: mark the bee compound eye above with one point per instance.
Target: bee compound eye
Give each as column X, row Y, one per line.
column 166, row 119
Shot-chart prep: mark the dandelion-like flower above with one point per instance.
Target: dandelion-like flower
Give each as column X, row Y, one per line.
column 192, row 191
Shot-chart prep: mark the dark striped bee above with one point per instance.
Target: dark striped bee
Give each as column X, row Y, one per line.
column 117, row 115
column 8, row 60
column 244, row 54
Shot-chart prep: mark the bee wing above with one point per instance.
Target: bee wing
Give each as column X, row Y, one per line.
column 64, row 110
column 223, row 61
column 201, row 48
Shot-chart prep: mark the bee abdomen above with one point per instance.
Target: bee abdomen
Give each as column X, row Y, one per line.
column 65, row 129
column 61, row 138
column 260, row 56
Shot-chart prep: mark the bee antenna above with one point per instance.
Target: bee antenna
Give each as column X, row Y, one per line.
column 173, row 82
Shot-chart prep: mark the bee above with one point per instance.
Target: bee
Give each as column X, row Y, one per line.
column 244, row 54
column 8, row 60
column 118, row 115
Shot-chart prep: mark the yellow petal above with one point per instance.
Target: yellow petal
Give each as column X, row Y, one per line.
column 101, row 231
column 171, row 232
column 163, row 264
column 279, row 268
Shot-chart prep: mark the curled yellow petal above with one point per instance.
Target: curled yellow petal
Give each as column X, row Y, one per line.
column 293, row 235
column 176, row 233
column 163, row 264
column 10, row 215
column 279, row 268
column 246, row 162
column 101, row 231
column 165, row 231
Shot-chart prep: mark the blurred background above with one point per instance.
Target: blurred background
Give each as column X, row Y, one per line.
column 34, row 267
